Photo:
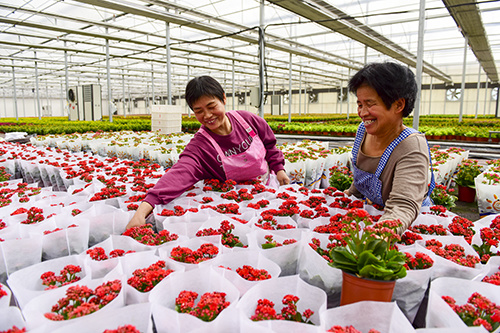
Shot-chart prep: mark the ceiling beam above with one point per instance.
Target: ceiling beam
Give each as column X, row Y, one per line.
column 286, row 46
column 468, row 20
column 328, row 16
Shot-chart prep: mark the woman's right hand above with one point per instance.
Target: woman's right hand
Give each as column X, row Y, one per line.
column 140, row 215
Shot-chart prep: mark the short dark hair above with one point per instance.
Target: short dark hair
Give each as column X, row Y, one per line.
column 390, row 80
column 203, row 86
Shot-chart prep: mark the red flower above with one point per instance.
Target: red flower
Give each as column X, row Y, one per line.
column 184, row 254
column 265, row 311
column 207, row 309
column 146, row 279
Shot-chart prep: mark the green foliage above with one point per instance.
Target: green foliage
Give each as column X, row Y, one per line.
column 443, row 197
column 369, row 252
column 325, row 123
column 468, row 170
column 340, row 177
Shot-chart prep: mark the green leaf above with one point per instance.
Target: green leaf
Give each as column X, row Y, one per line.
column 368, row 258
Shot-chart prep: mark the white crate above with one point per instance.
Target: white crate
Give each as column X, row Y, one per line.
column 168, row 129
column 166, row 118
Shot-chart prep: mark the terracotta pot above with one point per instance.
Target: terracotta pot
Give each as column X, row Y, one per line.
column 356, row 289
column 466, row 194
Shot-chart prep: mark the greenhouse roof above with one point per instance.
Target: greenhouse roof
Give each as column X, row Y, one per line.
column 324, row 42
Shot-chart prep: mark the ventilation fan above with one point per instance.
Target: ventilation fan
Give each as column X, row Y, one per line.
column 286, row 98
column 241, row 99
column 313, row 97
column 342, row 97
column 453, row 94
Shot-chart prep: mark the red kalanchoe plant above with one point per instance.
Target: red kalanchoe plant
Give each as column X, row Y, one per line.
column 268, row 222
column 218, row 186
column 107, row 193
column 433, row 229
column 206, row 251
column 239, row 196
column 132, row 206
column 409, row 238
column 67, row 276
column 265, row 311
column 20, row 210
column 229, row 208
column 493, row 278
column 2, row 292
column 99, row 254
column 270, row 242
column 35, row 215
column 124, row 329
column 419, row 261
column 253, row 274
column 178, row 211
column 228, row 238
column 490, row 236
column 145, row 234
column 478, row 311
column 259, row 204
column 348, row 329
column 437, row 210
column 460, row 226
column 81, row 301
column 15, row 329
column 334, row 240
column 75, row 212
column 145, row 279
column 335, row 225
column 208, row 307
column 452, row 252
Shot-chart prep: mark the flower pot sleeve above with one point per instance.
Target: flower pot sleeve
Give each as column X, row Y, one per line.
column 36, row 308
column 285, row 256
column 363, row 316
column 5, row 299
column 193, row 244
column 230, row 262
column 444, row 267
column 137, row 315
column 440, row 314
column 163, row 296
column 410, row 290
column 26, row 283
column 141, row 260
column 490, row 268
column 296, row 171
column 310, row 297
column 487, row 197
column 16, row 254
column 11, row 316
column 73, row 240
column 314, row 171
column 110, row 223
column 98, row 269
column 331, row 160
column 314, row 269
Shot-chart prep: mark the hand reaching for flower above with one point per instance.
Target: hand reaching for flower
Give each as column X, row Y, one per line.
column 282, row 178
column 140, row 215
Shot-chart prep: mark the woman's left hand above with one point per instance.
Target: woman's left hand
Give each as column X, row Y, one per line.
column 282, row 177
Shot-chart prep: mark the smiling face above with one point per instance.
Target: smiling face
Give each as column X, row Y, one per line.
column 211, row 112
column 378, row 120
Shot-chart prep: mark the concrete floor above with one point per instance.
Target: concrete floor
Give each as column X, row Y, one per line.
column 468, row 210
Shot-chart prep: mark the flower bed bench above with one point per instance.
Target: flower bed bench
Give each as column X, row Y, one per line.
column 492, row 132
